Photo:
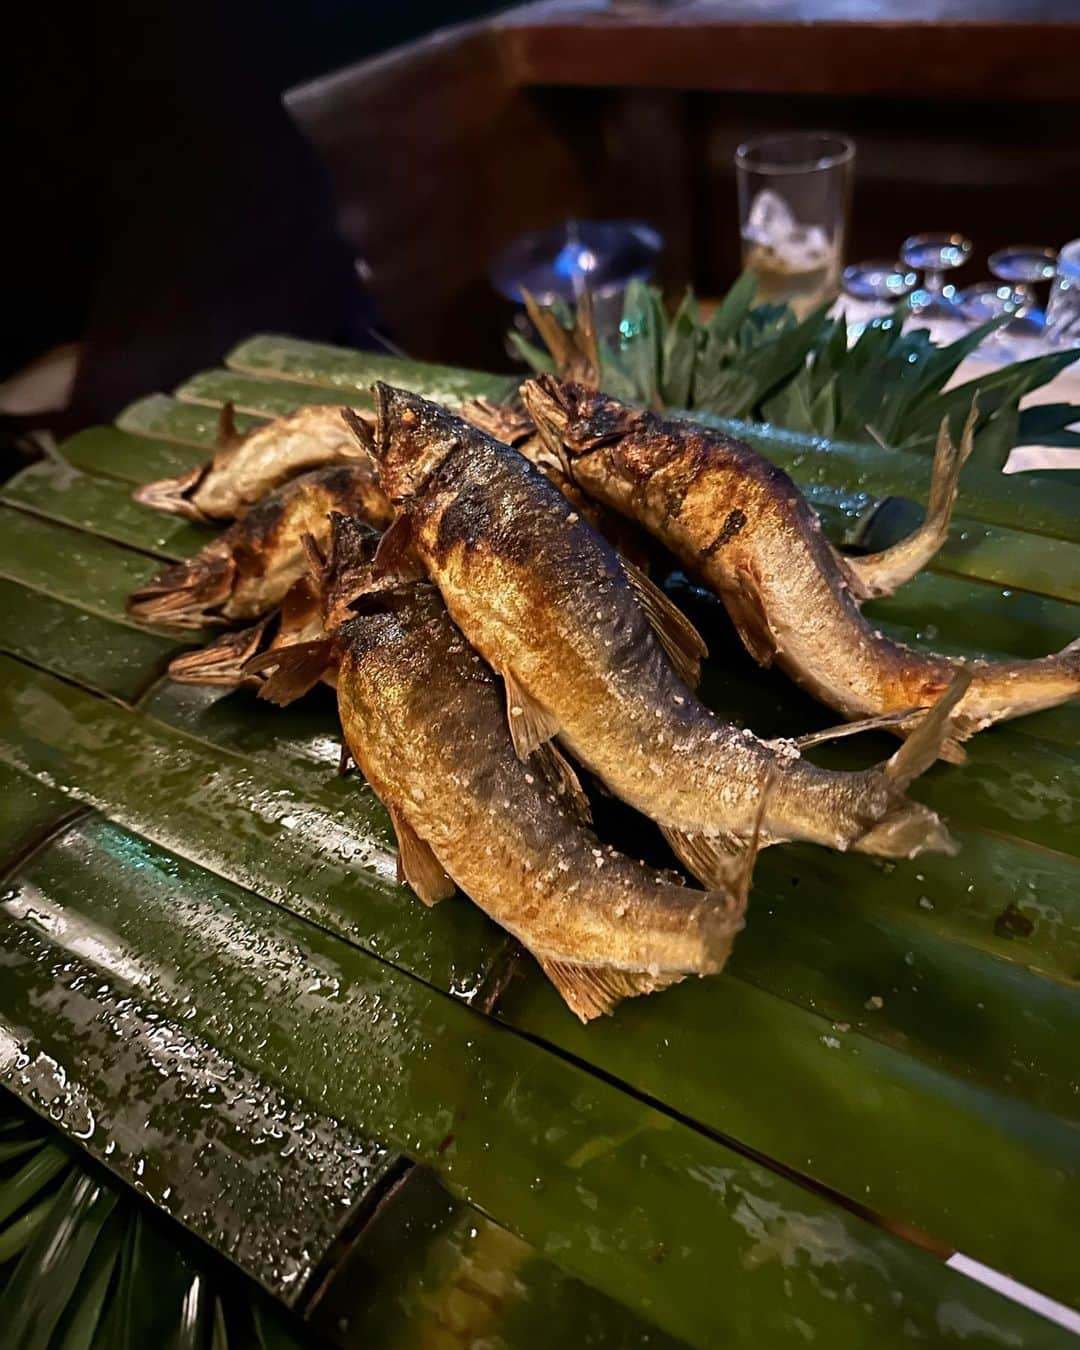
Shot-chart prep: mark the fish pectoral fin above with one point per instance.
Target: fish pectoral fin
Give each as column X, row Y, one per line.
column 676, row 634
column 395, row 558
column 418, row 865
column 531, row 726
column 294, row 670
column 746, row 609
column 563, row 781
column 593, row 991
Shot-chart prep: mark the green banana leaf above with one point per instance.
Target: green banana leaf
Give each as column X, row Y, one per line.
column 763, row 364
column 622, row 1169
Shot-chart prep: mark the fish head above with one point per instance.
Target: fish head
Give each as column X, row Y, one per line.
column 574, row 419
column 412, row 439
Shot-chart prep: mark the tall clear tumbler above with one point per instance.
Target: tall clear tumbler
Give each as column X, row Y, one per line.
column 794, row 200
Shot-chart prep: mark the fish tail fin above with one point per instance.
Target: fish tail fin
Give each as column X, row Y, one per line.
column 879, row 574
column 185, row 594
column 172, row 495
column 293, row 670
column 905, row 828
column 221, row 662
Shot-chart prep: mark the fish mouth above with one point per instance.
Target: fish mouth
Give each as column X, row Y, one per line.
column 186, row 594
column 172, row 495
column 221, row 663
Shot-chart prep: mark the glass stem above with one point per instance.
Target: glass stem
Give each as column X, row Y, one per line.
column 933, row 281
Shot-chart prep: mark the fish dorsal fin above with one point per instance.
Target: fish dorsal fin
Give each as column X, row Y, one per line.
column 593, row 991
column 933, row 733
column 676, row 634
column 418, row 865
column 227, row 438
column 293, row 670
column 563, row 781
column 395, row 558
column 531, row 726
column 746, row 609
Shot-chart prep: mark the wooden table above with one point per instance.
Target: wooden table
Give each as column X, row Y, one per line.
column 441, row 152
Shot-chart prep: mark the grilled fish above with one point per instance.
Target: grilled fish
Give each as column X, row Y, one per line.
column 424, row 718
column 513, row 426
column 591, row 651
column 249, row 569
column 248, row 465
column 741, row 525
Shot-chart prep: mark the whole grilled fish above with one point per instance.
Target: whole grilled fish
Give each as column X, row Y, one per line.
column 249, row 569
column 592, row 652
column 741, row 525
column 248, row 465
column 425, row 720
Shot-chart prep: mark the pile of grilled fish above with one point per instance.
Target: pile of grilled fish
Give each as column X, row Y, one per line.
column 474, row 586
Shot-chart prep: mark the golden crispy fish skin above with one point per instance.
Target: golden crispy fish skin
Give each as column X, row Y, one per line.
column 556, row 612
column 425, row 720
column 248, row 465
column 741, row 525
column 249, row 569
column 513, row 426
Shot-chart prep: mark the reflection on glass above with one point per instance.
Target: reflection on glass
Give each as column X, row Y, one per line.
column 794, row 197
column 1063, row 311
column 935, row 255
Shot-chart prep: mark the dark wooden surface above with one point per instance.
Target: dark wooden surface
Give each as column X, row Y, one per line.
column 965, row 116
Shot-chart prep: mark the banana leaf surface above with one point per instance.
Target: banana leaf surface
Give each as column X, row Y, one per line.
column 327, row 1114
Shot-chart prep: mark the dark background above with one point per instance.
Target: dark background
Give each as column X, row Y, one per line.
column 161, row 205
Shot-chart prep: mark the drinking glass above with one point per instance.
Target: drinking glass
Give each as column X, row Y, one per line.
column 879, row 279
column 794, row 198
column 560, row 262
column 1063, row 310
column 1018, row 268
column 935, row 255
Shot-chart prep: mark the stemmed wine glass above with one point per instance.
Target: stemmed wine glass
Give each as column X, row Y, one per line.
column 876, row 286
column 879, row 279
column 1017, row 268
column 935, row 255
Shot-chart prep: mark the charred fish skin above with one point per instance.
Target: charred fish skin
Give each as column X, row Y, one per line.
column 249, row 465
column 552, row 608
column 424, row 718
column 742, row 526
column 249, row 569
